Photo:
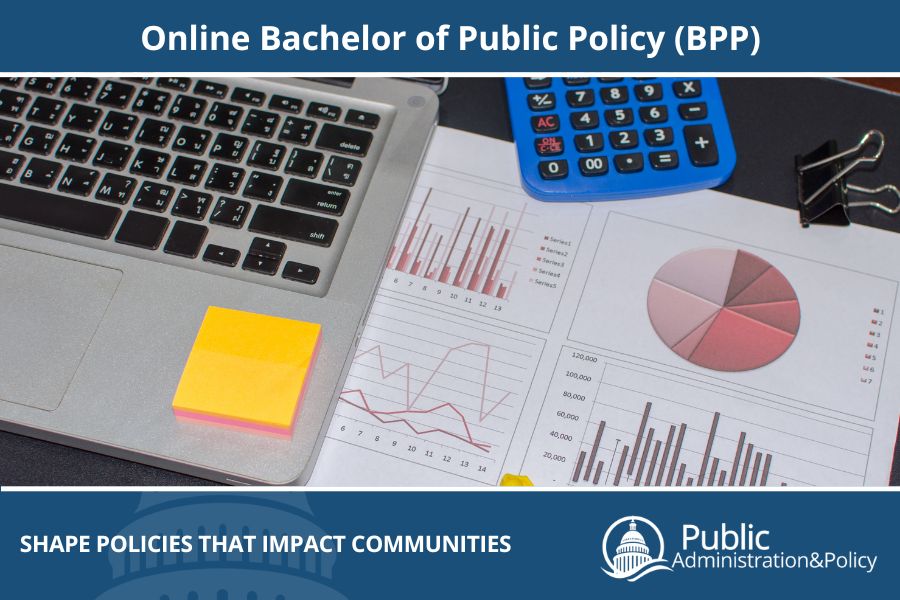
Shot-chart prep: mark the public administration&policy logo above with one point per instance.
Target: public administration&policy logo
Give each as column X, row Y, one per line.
column 639, row 550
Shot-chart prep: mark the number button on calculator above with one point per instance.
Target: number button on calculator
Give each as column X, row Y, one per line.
column 581, row 138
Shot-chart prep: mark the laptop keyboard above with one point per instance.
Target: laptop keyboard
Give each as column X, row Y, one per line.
column 250, row 179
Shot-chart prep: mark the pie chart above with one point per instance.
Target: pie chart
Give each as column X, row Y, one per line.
column 722, row 309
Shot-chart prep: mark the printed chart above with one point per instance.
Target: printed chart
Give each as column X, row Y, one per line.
column 723, row 309
column 427, row 388
column 484, row 247
column 609, row 421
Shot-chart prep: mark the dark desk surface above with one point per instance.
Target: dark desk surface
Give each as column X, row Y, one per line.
column 771, row 120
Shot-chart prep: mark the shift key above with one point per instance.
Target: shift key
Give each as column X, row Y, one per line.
column 290, row 225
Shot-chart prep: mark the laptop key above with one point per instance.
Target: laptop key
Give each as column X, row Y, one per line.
column 247, row 96
column 226, row 116
column 344, row 140
column 82, row 118
column 230, row 212
column 154, row 196
column 41, row 173
column 263, row 186
column 187, row 171
column 296, row 271
column 63, row 213
column 150, row 163
column 260, row 123
column 261, row 264
column 229, row 147
column 221, row 255
column 187, row 108
column 342, row 170
column 80, row 88
column 297, row 131
column 12, row 103
column 39, row 140
column 77, row 148
column 9, row 132
column 118, row 125
column 46, row 110
column 186, row 239
column 266, row 155
column 115, row 94
column 225, row 178
column 268, row 248
column 295, row 226
column 78, row 180
column 112, row 155
column 142, row 230
column 151, row 101
column 285, row 103
column 192, row 140
column 192, row 204
column 315, row 196
column 42, row 85
column 323, row 111
column 181, row 84
column 363, row 119
column 10, row 164
column 116, row 188
column 155, row 133
column 10, row 81
column 304, row 163
column 211, row 89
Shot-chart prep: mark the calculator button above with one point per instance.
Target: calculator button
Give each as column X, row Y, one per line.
column 591, row 166
column 537, row 83
column 661, row 136
column 545, row 123
column 542, row 101
column 610, row 79
column 664, row 160
column 589, row 142
column 549, row 145
column 693, row 111
column 654, row 114
column 614, row 95
column 648, row 92
column 623, row 139
column 580, row 98
column 619, row 117
column 553, row 169
column 576, row 80
column 629, row 163
column 701, row 145
column 588, row 119
column 687, row 89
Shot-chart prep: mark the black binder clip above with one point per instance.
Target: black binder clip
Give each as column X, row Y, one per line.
column 823, row 193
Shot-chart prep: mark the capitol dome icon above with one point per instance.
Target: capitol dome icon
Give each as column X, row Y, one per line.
column 632, row 552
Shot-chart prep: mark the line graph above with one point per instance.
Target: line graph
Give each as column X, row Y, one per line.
column 430, row 388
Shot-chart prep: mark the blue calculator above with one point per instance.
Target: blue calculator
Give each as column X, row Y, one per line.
column 586, row 138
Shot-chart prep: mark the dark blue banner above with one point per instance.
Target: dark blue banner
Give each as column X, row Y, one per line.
column 463, row 36
column 267, row 546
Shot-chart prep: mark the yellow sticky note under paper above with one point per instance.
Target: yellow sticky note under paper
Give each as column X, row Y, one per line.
column 510, row 480
column 247, row 370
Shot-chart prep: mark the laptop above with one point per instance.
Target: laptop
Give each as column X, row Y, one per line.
column 130, row 206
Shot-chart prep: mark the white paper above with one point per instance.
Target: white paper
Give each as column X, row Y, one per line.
column 513, row 363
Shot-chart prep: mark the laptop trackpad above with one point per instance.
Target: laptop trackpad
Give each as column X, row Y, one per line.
column 50, row 308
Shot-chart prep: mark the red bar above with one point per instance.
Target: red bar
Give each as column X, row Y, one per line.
column 476, row 272
column 404, row 256
column 445, row 270
column 429, row 274
column 460, row 270
column 489, row 283
column 501, row 291
column 416, row 262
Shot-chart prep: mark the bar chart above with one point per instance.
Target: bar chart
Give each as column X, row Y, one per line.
column 484, row 247
column 609, row 420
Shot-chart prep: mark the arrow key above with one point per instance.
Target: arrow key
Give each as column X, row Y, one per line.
column 260, row 264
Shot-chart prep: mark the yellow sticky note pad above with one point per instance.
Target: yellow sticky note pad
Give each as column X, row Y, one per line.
column 248, row 370
column 510, row 480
